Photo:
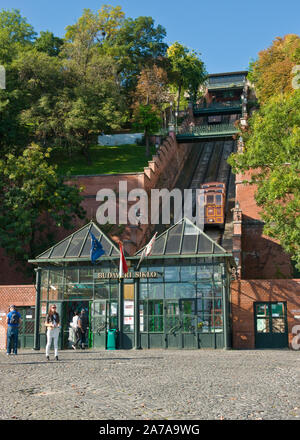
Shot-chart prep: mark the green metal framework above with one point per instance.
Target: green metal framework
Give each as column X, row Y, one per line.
column 207, row 131
column 76, row 247
column 218, row 107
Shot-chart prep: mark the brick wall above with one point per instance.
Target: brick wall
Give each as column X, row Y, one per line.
column 262, row 256
column 20, row 296
column 245, row 292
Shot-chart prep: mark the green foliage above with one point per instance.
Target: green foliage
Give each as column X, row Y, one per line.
column 271, row 73
column 272, row 151
column 48, row 43
column 187, row 70
column 104, row 160
column 15, row 34
column 136, row 45
column 147, row 119
column 32, row 198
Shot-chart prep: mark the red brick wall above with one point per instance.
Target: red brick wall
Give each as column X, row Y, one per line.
column 20, row 296
column 262, row 256
column 245, row 292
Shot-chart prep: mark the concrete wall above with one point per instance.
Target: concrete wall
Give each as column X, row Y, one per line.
column 245, row 292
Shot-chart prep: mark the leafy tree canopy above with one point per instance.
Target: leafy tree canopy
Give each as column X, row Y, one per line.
column 271, row 73
column 31, row 193
column 187, row 70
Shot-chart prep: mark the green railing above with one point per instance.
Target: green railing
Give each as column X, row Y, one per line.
column 225, row 84
column 207, row 131
column 228, row 106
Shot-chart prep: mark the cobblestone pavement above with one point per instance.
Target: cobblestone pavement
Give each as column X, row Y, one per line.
column 151, row 385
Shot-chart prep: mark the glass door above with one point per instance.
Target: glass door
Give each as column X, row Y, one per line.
column 173, row 325
column 189, row 323
column 104, row 316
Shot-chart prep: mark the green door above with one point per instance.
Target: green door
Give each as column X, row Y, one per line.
column 189, row 323
column 173, row 324
column 270, row 320
column 26, row 329
column 104, row 316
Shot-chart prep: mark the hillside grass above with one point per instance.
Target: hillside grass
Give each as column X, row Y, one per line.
column 104, row 160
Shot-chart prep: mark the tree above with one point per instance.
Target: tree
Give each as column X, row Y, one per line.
column 153, row 88
column 15, row 33
column 146, row 119
column 271, row 74
column 272, row 152
column 49, row 44
column 137, row 44
column 187, row 70
column 32, row 198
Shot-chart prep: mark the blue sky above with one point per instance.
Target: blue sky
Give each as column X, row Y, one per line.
column 227, row 33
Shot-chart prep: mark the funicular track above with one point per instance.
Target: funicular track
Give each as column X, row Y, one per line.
column 212, row 166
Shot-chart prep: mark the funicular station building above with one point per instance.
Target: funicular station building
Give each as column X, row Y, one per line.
column 178, row 297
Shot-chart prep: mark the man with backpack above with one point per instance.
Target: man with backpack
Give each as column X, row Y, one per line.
column 13, row 322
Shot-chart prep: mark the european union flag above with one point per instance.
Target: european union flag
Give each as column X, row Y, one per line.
column 96, row 248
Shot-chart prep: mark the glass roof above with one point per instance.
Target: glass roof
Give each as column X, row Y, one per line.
column 184, row 238
column 78, row 245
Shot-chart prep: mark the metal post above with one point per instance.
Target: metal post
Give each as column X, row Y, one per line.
column 36, row 345
column 121, row 313
column 225, row 310
column 137, row 336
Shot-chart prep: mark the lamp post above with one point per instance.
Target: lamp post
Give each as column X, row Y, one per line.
column 176, row 116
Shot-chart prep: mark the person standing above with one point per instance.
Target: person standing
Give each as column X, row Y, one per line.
column 82, row 328
column 53, row 326
column 13, row 321
column 74, row 326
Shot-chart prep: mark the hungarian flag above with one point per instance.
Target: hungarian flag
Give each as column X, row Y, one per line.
column 148, row 249
column 123, row 264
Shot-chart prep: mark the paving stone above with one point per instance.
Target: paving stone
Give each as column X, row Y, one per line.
column 151, row 385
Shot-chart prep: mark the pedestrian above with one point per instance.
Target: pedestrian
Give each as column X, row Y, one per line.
column 53, row 326
column 74, row 327
column 82, row 328
column 13, row 321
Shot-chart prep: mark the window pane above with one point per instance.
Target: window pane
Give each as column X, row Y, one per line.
column 155, row 324
column 156, row 291
column 277, row 310
column 262, row 310
column 173, row 324
column 78, row 291
column 143, row 291
column 86, row 274
column 278, row 325
column 180, row 290
column 171, row 273
column 102, row 291
column 263, row 325
column 188, row 273
column 174, row 239
column 71, row 276
column 189, row 324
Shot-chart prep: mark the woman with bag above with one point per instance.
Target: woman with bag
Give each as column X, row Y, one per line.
column 53, row 325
